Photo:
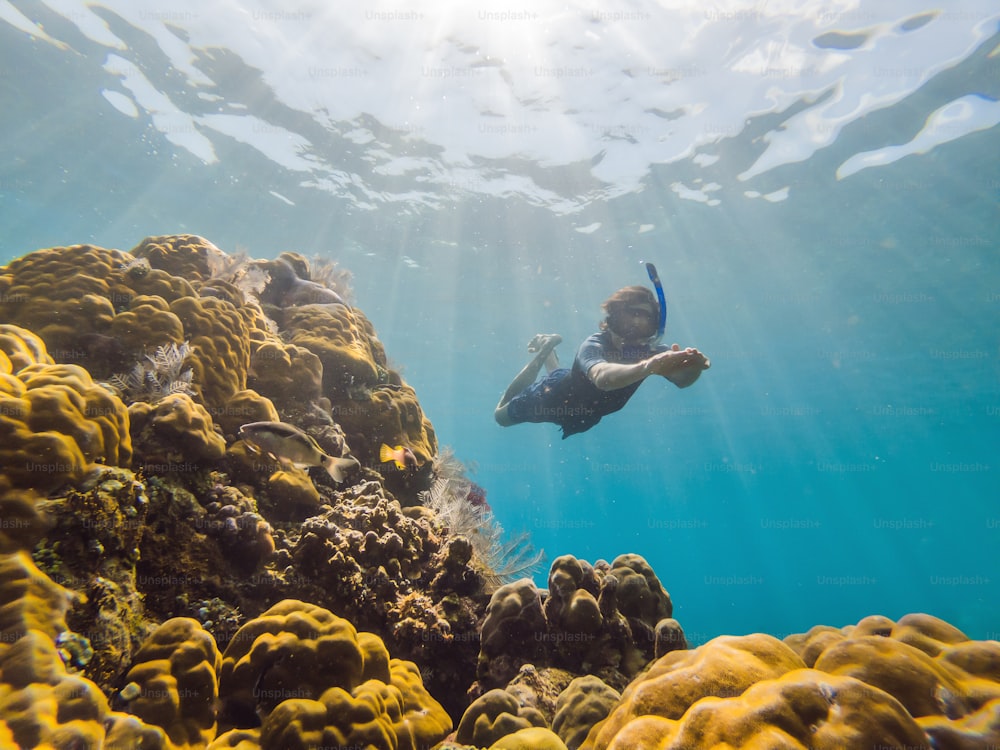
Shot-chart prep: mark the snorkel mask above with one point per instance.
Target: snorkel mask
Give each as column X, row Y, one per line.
column 655, row 278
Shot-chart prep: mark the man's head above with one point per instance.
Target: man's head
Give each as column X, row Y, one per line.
column 632, row 313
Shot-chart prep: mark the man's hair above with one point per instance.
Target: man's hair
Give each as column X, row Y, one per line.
column 624, row 298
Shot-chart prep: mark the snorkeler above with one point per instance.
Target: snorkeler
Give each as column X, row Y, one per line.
column 609, row 366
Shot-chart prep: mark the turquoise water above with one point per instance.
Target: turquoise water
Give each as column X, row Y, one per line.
column 818, row 188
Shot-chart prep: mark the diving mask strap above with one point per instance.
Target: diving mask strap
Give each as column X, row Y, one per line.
column 655, row 278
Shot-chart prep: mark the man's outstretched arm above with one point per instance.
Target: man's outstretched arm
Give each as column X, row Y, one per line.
column 610, row 376
column 682, row 367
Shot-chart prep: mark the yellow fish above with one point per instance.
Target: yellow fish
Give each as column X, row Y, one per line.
column 403, row 457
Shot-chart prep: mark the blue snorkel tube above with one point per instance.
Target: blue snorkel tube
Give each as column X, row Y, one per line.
column 655, row 278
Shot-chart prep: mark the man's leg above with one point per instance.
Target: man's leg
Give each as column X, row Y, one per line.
column 544, row 345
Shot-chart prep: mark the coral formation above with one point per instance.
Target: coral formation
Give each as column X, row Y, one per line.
column 187, row 256
column 585, row 702
column 22, row 523
column 175, row 682
column 452, row 499
column 494, row 715
column 801, row 709
column 918, row 682
column 595, row 620
column 41, row 703
column 724, row 667
column 56, row 423
column 159, row 547
column 532, row 738
column 290, row 376
column 174, row 431
column 311, row 678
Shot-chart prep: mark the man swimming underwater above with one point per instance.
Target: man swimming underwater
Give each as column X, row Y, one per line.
column 609, row 366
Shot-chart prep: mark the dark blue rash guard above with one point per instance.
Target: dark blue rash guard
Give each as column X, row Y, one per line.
column 568, row 398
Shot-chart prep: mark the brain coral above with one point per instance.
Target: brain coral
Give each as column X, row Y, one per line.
column 22, row 523
column 802, row 710
column 289, row 375
column 723, row 667
column 586, row 701
column 187, row 256
column 62, row 294
column 175, row 674
column 55, row 422
column 918, row 683
column 494, row 715
column 174, row 430
column 313, row 678
column 594, row 620
column 41, row 704
column 220, row 341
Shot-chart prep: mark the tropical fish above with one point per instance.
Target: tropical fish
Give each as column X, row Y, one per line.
column 402, row 456
column 287, row 444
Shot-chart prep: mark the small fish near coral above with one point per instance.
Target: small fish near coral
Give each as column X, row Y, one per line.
column 403, row 457
column 287, row 444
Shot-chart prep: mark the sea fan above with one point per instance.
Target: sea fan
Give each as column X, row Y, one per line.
column 160, row 375
column 503, row 560
column 223, row 265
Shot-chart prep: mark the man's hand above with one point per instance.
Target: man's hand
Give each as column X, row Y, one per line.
column 680, row 366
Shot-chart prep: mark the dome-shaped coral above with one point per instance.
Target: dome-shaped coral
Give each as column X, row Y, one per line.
column 55, row 422
column 311, row 676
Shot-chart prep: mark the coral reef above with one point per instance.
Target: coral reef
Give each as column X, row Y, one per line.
column 918, row 682
column 56, row 423
column 594, row 620
column 42, row 704
column 174, row 430
column 310, row 678
column 801, row 709
column 173, row 683
column 494, row 715
column 585, row 702
column 219, row 599
column 452, row 498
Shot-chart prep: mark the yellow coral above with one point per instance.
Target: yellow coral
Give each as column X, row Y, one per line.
column 62, row 293
column 41, row 705
column 185, row 255
column 147, row 324
column 315, row 680
column 334, row 333
column 802, row 710
column 22, row 524
column 725, row 666
column 176, row 673
column 533, row 738
column 55, row 421
column 286, row 373
column 29, row 600
column 293, row 650
column 220, row 341
column 245, row 406
column 586, row 701
column 926, row 686
column 494, row 715
column 293, row 488
column 20, row 348
column 175, row 428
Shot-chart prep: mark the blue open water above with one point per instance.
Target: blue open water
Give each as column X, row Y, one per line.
column 818, row 188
